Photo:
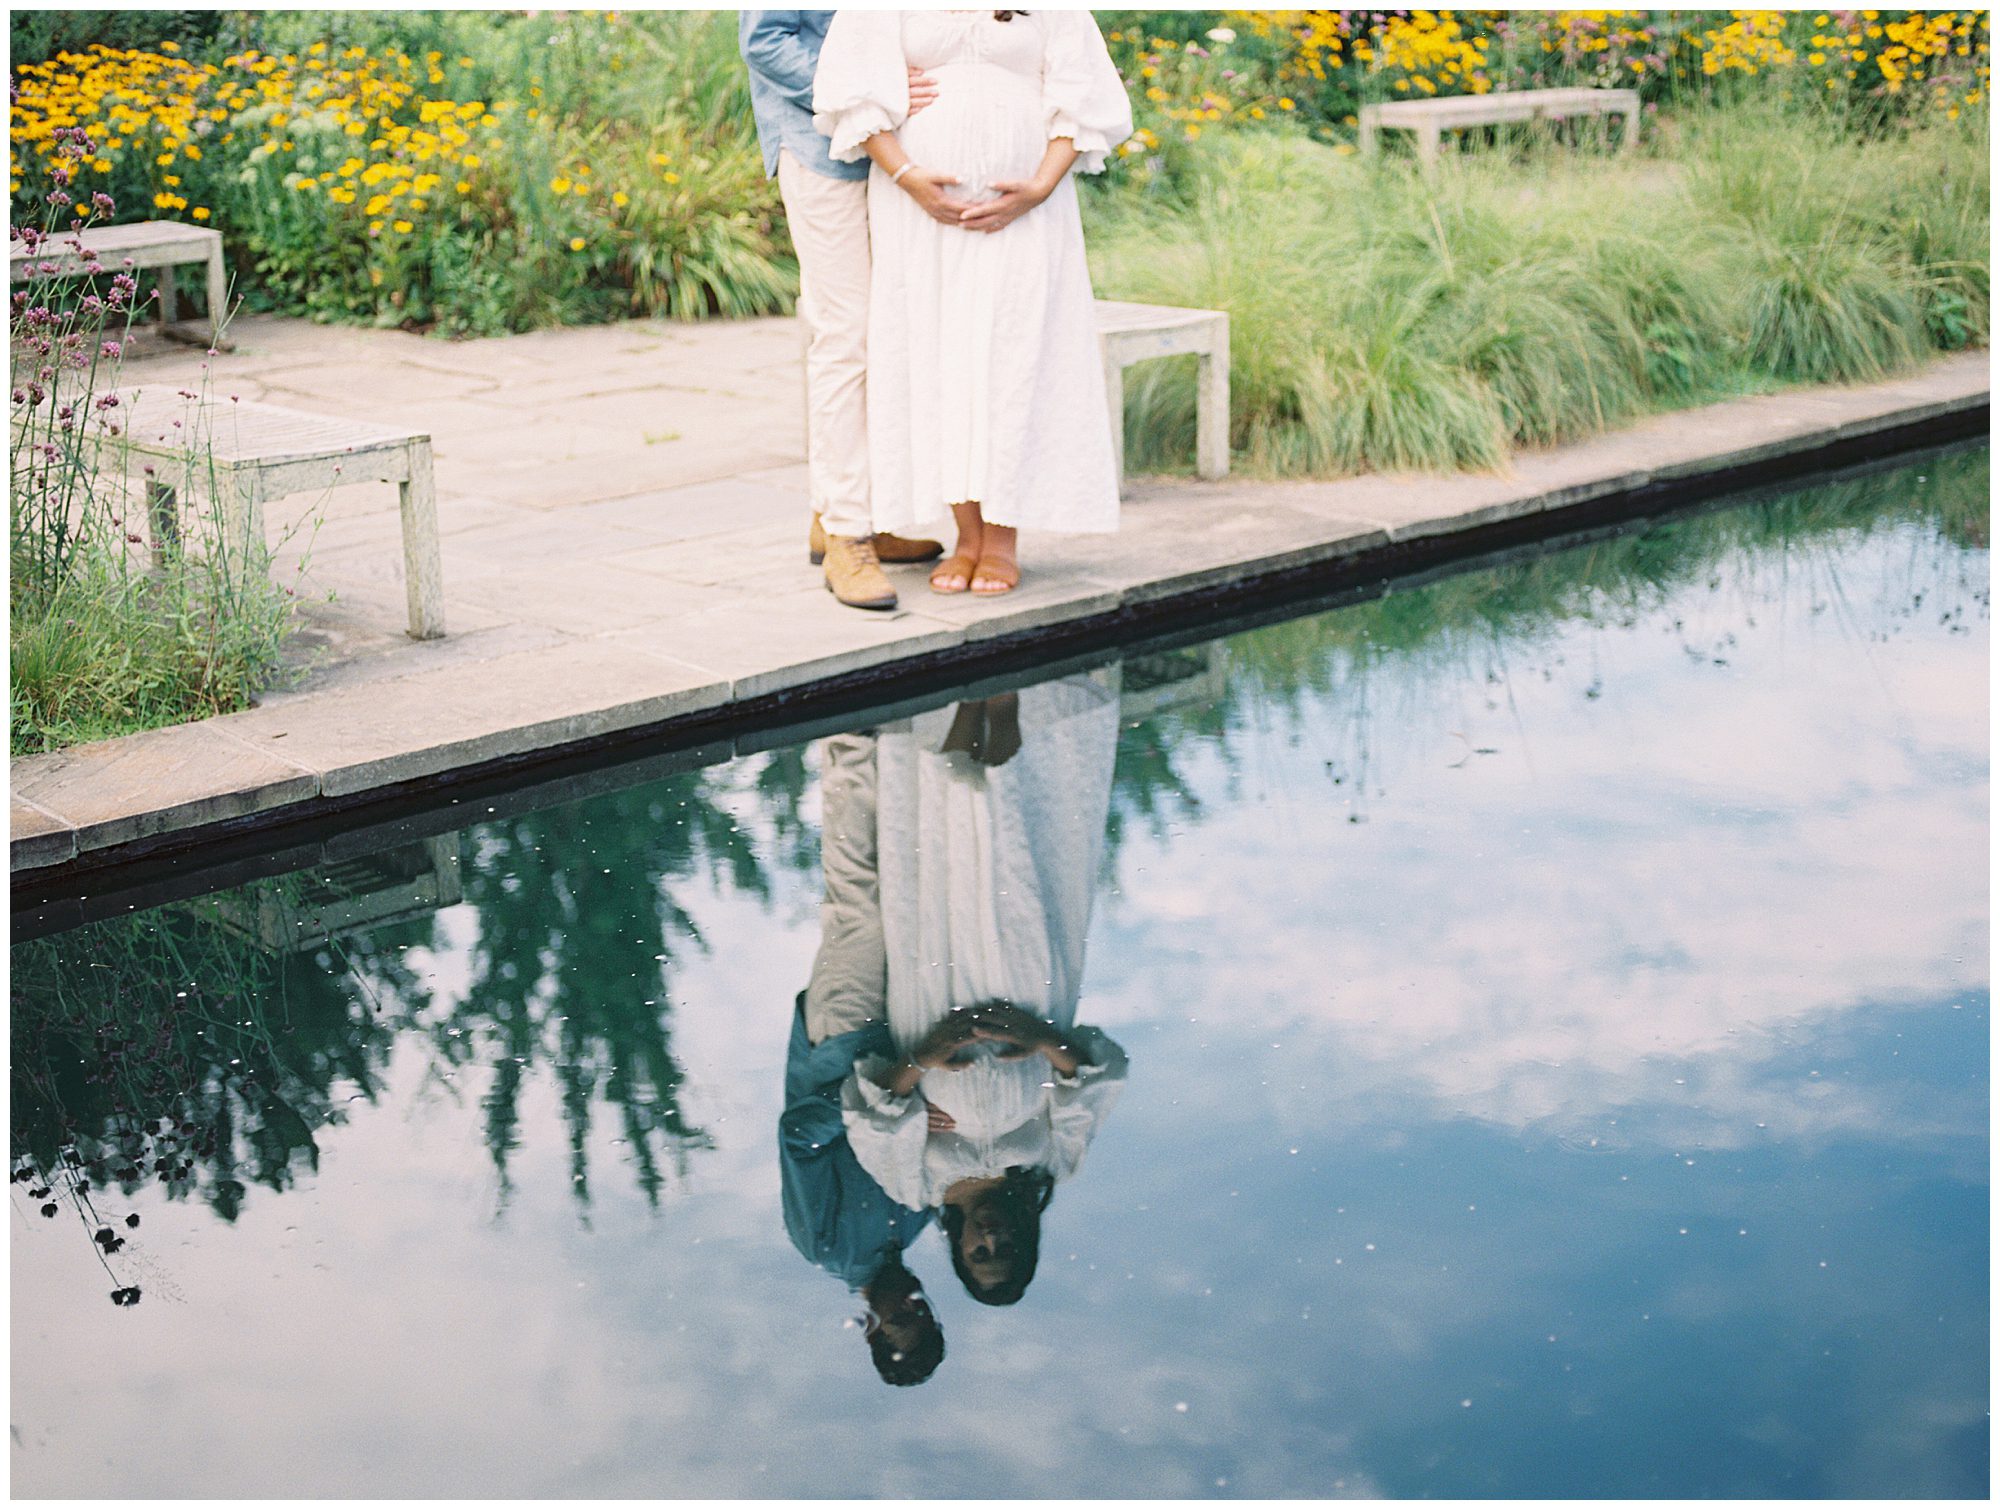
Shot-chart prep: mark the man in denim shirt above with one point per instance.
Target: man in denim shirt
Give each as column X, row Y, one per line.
column 826, row 205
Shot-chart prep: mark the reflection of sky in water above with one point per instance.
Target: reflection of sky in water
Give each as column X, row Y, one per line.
column 1603, row 1114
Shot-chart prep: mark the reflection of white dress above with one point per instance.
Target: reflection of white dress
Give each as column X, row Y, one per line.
column 987, row 875
column 983, row 375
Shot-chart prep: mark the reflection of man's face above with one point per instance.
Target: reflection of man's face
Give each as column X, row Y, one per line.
column 986, row 1245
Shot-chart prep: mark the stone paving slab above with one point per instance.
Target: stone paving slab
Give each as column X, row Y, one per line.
column 404, row 728
column 629, row 583
column 39, row 836
column 120, row 790
column 792, row 640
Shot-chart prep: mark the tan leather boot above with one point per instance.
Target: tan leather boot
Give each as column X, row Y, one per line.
column 854, row 575
column 894, row 549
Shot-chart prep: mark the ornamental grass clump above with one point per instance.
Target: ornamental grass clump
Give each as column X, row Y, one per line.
column 1386, row 317
column 101, row 643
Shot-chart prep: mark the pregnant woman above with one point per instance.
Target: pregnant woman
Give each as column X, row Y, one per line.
column 986, row 398
column 990, row 826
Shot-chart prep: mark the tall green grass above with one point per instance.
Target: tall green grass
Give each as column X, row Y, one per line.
column 1383, row 317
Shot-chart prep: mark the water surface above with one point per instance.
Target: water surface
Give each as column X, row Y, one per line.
column 1557, row 1008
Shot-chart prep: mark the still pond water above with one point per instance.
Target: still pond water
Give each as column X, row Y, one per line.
column 1552, row 1011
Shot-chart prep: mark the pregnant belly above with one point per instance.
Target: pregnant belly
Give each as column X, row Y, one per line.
column 985, row 128
column 989, row 1097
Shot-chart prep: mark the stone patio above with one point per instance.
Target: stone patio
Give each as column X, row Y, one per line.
column 623, row 513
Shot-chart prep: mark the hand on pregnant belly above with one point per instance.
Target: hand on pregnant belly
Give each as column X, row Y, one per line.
column 928, row 190
column 1015, row 200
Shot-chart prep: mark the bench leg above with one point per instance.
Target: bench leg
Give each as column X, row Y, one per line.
column 168, row 302
column 241, row 495
column 164, row 519
column 1366, row 141
column 1428, row 140
column 1114, row 398
column 218, row 296
column 1631, row 140
column 1211, row 411
column 423, row 574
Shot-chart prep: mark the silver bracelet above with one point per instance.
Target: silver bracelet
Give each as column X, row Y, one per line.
column 897, row 176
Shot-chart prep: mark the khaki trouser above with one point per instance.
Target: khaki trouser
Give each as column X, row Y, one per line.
column 829, row 223
column 850, row 974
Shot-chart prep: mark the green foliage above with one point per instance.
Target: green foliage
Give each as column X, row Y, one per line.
column 37, row 34
column 114, row 651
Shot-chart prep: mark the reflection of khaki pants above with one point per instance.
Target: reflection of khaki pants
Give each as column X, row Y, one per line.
column 850, row 975
column 829, row 223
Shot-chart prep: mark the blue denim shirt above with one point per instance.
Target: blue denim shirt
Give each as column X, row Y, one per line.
column 782, row 49
column 835, row 1212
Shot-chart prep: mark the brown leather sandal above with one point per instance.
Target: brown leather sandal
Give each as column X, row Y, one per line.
column 954, row 566
column 1008, row 572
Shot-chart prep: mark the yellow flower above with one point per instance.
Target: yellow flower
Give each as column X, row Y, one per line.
column 1285, row 103
column 576, row 243
column 402, row 227
column 200, row 212
column 621, row 199
column 559, row 185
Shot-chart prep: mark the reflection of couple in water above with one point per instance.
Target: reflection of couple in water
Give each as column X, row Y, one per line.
column 936, row 1070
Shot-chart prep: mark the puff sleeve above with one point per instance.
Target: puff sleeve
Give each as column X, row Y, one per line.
column 1083, row 98
column 887, row 1133
column 863, row 85
column 1078, row 1103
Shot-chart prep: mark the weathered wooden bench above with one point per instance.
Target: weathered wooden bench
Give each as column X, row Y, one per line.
column 1429, row 119
column 243, row 454
column 1128, row 333
column 161, row 244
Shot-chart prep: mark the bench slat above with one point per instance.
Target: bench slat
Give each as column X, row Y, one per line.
column 149, row 243
column 239, row 434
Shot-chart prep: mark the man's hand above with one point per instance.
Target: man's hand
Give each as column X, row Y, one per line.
column 937, row 1118
column 923, row 90
column 1015, row 200
column 926, row 188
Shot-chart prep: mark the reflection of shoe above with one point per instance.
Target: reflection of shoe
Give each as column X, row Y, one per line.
column 854, row 576
column 988, row 732
column 894, row 549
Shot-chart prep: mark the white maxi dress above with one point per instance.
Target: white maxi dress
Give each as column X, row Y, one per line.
column 987, row 874
column 984, row 381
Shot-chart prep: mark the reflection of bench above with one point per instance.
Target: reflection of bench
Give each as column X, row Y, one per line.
column 1128, row 333
column 1430, row 118
column 245, row 453
column 304, row 911
column 162, row 244
column 1191, row 677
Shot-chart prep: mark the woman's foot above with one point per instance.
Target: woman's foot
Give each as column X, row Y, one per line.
column 998, row 571
column 956, row 572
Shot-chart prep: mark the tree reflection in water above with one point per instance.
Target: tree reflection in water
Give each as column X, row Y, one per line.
column 202, row 1047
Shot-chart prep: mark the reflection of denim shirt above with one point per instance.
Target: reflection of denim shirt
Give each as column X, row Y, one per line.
column 782, row 49
column 836, row 1214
